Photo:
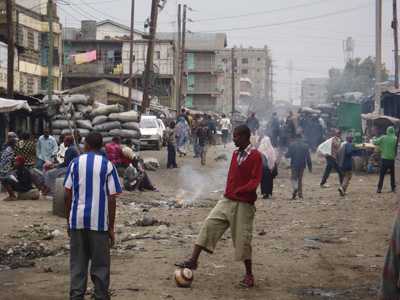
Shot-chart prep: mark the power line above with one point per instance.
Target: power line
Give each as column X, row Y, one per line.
column 260, row 12
column 339, row 12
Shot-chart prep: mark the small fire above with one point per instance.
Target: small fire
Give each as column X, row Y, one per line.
column 182, row 198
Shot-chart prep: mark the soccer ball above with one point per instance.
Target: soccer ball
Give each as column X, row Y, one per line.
column 183, row 277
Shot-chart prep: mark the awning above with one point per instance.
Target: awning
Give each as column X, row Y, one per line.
column 9, row 105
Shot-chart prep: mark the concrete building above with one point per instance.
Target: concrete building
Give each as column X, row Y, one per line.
column 253, row 77
column 111, row 42
column 314, row 91
column 31, row 41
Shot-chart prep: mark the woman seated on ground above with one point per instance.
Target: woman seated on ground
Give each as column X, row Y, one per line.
column 19, row 181
column 135, row 176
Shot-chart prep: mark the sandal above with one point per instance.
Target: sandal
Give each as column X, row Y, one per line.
column 188, row 264
column 247, row 282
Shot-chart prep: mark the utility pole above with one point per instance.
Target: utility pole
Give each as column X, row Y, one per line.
column 272, row 84
column 396, row 45
column 233, row 79
column 10, row 47
column 182, row 67
column 178, row 60
column 378, row 59
column 290, row 67
column 51, row 51
column 130, row 84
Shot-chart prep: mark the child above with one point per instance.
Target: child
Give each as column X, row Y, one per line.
column 170, row 140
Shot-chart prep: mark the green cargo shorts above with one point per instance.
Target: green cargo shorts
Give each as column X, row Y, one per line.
column 237, row 216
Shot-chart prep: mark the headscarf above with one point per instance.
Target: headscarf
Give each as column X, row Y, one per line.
column 268, row 151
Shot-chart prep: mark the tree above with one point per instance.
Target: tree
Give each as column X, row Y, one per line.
column 357, row 76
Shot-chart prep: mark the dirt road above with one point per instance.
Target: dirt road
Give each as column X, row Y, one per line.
column 324, row 247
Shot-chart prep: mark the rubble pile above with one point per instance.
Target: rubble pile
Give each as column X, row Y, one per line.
column 75, row 112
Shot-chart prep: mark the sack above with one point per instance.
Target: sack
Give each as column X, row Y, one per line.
column 76, row 99
column 56, row 131
column 83, row 108
column 62, row 124
column 99, row 120
column 85, row 124
column 131, row 126
column 129, row 116
column 124, row 133
column 78, row 115
column 106, row 110
column 325, row 148
column 83, row 132
column 107, row 126
column 105, row 134
column 107, row 139
column 66, row 131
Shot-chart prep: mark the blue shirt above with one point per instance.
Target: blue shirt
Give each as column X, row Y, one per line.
column 92, row 179
column 46, row 149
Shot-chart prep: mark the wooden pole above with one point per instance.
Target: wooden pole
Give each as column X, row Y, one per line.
column 51, row 51
column 10, row 47
column 148, row 73
column 182, row 67
column 178, row 60
column 396, row 45
column 233, row 79
column 378, row 59
column 130, row 83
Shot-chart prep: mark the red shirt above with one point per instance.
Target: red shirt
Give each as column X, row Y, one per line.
column 244, row 177
column 114, row 153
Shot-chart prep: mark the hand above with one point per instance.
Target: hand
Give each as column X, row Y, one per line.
column 111, row 235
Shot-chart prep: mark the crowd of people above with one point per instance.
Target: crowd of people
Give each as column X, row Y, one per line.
column 92, row 172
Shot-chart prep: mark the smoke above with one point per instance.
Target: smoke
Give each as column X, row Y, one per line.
column 198, row 182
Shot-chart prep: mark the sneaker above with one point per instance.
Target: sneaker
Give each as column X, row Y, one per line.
column 187, row 264
column 294, row 195
column 324, row 186
column 341, row 191
column 247, row 282
column 379, row 191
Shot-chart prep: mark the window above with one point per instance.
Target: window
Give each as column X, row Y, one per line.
column 258, row 58
column 245, row 60
column 245, row 71
column 158, row 54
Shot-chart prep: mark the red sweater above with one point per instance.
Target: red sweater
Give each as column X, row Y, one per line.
column 243, row 179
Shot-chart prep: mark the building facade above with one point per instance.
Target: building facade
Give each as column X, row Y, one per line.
column 253, row 82
column 32, row 44
column 314, row 91
column 110, row 40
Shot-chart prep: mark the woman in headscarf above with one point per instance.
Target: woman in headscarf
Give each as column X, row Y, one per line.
column 182, row 135
column 270, row 169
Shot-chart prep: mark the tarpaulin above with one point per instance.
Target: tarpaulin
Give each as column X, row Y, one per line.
column 9, row 105
column 85, row 57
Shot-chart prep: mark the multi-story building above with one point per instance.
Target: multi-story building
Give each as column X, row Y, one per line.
column 252, row 77
column 111, row 42
column 314, row 91
column 32, row 43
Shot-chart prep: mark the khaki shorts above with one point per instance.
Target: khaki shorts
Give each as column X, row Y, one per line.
column 237, row 216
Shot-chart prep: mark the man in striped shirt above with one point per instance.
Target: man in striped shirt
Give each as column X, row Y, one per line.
column 91, row 186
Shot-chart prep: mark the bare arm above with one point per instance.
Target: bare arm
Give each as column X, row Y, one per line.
column 68, row 203
column 112, row 205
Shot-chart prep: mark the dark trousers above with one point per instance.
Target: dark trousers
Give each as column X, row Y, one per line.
column 171, row 163
column 331, row 163
column 93, row 246
column 297, row 181
column 267, row 182
column 387, row 165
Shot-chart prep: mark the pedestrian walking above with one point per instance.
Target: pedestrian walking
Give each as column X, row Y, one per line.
column 182, row 135
column 345, row 158
column 270, row 168
column 203, row 134
column 236, row 210
column 387, row 145
column 46, row 149
column 253, row 123
column 170, row 140
column 226, row 127
column 299, row 155
column 331, row 159
column 274, row 128
column 91, row 186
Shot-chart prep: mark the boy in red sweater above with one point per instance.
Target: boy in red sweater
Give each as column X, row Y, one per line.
column 236, row 210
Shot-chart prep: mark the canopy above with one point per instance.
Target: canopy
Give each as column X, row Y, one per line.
column 9, row 105
column 381, row 118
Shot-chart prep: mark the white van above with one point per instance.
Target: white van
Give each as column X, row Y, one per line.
column 151, row 132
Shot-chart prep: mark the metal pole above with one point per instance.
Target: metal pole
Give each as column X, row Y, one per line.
column 130, row 83
column 10, row 47
column 178, row 60
column 233, row 79
column 51, row 51
column 396, row 45
column 150, row 56
column 182, row 67
column 378, row 59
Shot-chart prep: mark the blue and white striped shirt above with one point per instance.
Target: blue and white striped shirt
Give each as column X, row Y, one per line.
column 92, row 178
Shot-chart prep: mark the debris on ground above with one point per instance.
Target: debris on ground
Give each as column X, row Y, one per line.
column 151, row 164
column 150, row 221
column 221, row 157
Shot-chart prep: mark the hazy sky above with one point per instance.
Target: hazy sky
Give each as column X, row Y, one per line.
column 307, row 32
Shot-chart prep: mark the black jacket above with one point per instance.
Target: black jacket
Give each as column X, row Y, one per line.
column 299, row 155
